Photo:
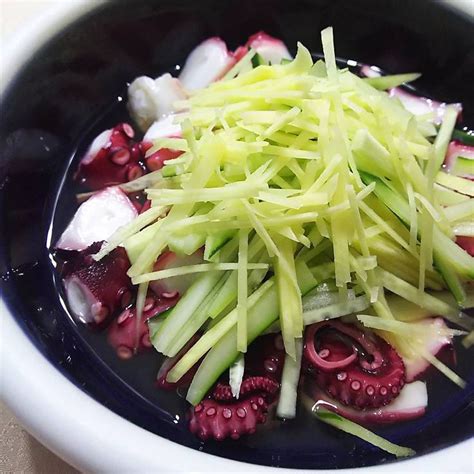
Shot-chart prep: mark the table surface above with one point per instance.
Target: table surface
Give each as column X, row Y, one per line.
column 19, row 451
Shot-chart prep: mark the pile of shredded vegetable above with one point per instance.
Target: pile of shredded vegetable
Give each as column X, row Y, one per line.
column 292, row 177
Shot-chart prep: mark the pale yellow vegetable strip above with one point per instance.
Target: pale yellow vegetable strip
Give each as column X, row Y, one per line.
column 292, row 152
column 383, row 225
column 286, row 320
column 365, row 192
column 339, row 225
column 123, row 233
column 461, row 211
column 457, row 183
column 429, row 207
column 242, row 289
column 237, row 68
column 328, row 172
column 413, row 217
column 245, row 189
column 329, row 55
column 426, row 249
column 408, row 329
column 409, row 292
column 282, row 121
column 139, row 305
column 189, row 269
column 444, row 369
column 358, row 220
column 468, row 341
column 261, row 231
column 464, row 228
column 142, row 182
column 179, row 144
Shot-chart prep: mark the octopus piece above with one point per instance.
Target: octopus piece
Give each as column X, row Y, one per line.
column 223, row 392
column 128, row 336
column 271, row 49
column 222, row 416
column 211, row 419
column 355, row 367
column 156, row 160
column 266, row 357
column 95, row 290
column 410, row 404
column 422, row 105
column 112, row 158
column 460, row 160
column 97, row 219
column 150, row 99
column 207, row 63
column 163, row 128
column 466, row 243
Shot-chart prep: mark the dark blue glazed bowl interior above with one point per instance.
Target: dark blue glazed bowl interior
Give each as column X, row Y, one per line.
column 71, row 89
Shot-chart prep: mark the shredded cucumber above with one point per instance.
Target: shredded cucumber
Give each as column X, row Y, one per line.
column 286, row 407
column 395, row 80
column 343, row 424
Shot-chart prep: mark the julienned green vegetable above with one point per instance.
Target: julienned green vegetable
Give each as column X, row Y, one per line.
column 293, row 174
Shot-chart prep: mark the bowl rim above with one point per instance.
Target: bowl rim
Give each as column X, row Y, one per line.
column 103, row 446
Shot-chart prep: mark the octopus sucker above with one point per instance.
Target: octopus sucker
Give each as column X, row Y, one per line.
column 113, row 158
column 222, row 416
column 354, row 366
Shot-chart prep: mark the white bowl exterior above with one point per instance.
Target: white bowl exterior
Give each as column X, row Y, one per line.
column 80, row 430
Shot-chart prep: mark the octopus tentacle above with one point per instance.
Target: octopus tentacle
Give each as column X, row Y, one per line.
column 112, row 158
column 211, row 419
column 249, row 386
column 222, row 416
column 128, row 337
column 371, row 379
column 96, row 290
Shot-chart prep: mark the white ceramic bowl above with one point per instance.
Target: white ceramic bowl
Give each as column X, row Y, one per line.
column 82, row 431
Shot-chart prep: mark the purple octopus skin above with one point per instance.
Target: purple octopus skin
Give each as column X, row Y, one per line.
column 222, row 416
column 266, row 357
column 355, row 367
column 112, row 158
column 211, row 419
column 95, row 290
column 395, row 412
column 123, row 333
column 222, row 392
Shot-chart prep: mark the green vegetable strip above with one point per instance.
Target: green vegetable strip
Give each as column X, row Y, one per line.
column 130, row 229
column 189, row 269
column 195, row 322
column 224, row 350
column 286, row 407
column 213, row 335
column 329, row 54
column 442, row 141
column 336, row 310
column 468, row 341
column 434, row 305
column 139, row 305
column 242, row 287
column 354, row 429
column 389, row 82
